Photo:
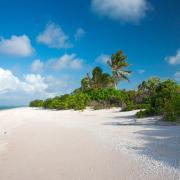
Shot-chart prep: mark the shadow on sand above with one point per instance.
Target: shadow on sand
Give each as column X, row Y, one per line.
column 162, row 144
column 162, row 141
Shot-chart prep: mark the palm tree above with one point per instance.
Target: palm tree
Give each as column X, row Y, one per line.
column 117, row 63
column 99, row 80
column 85, row 83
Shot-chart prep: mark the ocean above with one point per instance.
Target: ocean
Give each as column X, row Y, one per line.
column 9, row 107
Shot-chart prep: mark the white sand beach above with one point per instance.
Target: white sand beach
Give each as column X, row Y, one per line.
column 40, row 144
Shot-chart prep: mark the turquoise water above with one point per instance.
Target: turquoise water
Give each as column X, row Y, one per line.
column 8, row 107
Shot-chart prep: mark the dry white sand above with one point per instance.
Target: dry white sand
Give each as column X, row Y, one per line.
column 89, row 145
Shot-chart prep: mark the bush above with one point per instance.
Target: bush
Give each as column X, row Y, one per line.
column 104, row 98
column 99, row 106
column 110, row 95
column 36, row 103
column 164, row 101
column 142, row 113
column 172, row 110
column 132, row 106
column 145, row 113
column 102, row 94
column 77, row 101
column 154, row 96
column 81, row 101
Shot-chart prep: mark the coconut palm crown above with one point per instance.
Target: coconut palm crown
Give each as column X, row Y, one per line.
column 117, row 63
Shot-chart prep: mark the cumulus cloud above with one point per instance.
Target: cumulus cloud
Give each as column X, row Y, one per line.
column 141, row 71
column 8, row 82
column 79, row 33
column 67, row 61
column 31, row 83
column 103, row 58
column 54, row 37
column 34, row 83
column 16, row 45
column 121, row 10
column 37, row 66
column 16, row 91
column 174, row 60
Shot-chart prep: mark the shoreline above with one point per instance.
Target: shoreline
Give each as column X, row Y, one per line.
column 31, row 134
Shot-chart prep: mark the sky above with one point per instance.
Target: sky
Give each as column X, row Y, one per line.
column 46, row 47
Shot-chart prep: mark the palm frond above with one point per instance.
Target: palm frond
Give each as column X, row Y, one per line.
column 124, row 77
column 109, row 62
column 125, row 72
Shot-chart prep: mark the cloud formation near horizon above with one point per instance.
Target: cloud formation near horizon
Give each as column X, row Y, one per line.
column 32, row 86
column 16, row 46
column 54, row 37
column 121, row 10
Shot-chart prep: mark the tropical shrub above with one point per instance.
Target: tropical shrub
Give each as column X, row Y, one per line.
column 77, row 101
column 98, row 80
column 36, row 103
column 163, row 101
column 108, row 97
column 80, row 101
column 153, row 97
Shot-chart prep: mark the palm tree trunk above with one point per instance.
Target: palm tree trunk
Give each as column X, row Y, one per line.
column 115, row 85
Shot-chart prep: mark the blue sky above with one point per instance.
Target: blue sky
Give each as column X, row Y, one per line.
column 46, row 47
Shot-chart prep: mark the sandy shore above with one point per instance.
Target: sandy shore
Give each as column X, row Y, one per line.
column 90, row 145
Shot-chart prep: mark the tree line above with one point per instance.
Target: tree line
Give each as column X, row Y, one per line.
column 99, row 90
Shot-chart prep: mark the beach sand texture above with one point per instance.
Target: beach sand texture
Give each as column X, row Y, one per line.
column 40, row 144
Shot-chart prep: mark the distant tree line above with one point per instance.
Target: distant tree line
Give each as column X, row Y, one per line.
column 99, row 90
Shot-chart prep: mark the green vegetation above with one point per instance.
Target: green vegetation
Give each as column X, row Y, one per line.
column 162, row 97
column 36, row 103
column 77, row 101
column 99, row 80
column 117, row 63
column 96, row 98
column 99, row 90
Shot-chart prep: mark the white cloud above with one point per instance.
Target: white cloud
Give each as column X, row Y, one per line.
column 177, row 76
column 30, row 84
column 8, row 82
column 103, row 58
column 123, row 10
column 35, row 83
column 67, row 61
column 16, row 91
column 141, row 71
column 174, row 60
column 54, row 37
column 79, row 33
column 37, row 66
column 16, row 45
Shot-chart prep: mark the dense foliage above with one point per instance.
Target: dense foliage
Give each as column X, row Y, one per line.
column 163, row 98
column 98, row 90
column 99, row 80
column 98, row 99
column 76, row 101
column 36, row 103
